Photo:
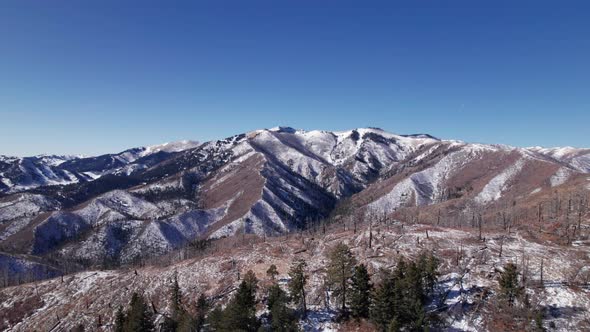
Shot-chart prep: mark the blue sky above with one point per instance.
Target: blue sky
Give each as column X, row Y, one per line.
column 87, row 78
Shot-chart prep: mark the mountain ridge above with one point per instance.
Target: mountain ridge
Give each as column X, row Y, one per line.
column 269, row 182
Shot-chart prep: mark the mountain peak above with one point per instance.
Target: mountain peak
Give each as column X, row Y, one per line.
column 284, row 129
column 171, row 147
column 422, row 136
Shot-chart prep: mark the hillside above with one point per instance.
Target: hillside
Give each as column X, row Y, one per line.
column 273, row 181
column 464, row 295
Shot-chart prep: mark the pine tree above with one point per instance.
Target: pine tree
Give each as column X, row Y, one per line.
column 119, row 320
column 416, row 319
column 393, row 326
column 139, row 316
column 296, row 285
column 383, row 306
column 275, row 295
column 251, row 283
column 202, row 308
column 240, row 313
column 360, row 292
column 175, row 297
column 398, row 302
column 411, row 312
column 428, row 265
column 509, row 287
column 186, row 323
column 272, row 272
column 398, row 288
column 215, row 319
column 340, row 270
column 282, row 317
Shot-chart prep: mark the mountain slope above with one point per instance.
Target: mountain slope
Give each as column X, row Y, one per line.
column 93, row 297
column 150, row 201
column 18, row 174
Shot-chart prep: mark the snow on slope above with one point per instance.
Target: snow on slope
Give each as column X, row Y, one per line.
column 169, row 147
column 54, row 160
column 63, row 226
column 341, row 161
column 25, row 204
column 17, row 211
column 493, row 189
column 424, row 187
column 132, row 155
column 86, row 296
column 560, row 177
column 120, row 236
column 577, row 158
column 581, row 162
column 304, row 175
column 556, row 152
column 19, row 174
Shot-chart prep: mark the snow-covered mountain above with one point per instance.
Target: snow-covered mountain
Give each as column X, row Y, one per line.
column 576, row 158
column 148, row 201
column 18, row 174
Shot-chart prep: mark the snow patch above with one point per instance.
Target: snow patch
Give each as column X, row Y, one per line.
column 560, row 177
column 493, row 189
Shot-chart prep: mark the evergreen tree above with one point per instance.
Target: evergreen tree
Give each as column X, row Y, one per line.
column 139, row 317
column 180, row 319
column 186, row 323
column 119, row 320
column 272, row 272
column 202, row 308
column 360, row 291
column 251, row 282
column 416, row 317
column 393, row 326
column 428, row 264
column 508, row 280
column 412, row 311
column 275, row 295
column 215, row 319
column 168, row 325
column 383, row 308
column 296, row 285
column 282, row 318
column 240, row 313
column 398, row 302
column 175, row 297
column 340, row 270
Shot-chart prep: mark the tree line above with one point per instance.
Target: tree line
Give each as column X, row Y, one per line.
column 391, row 299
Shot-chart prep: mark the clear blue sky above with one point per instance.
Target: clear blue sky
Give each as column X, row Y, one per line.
column 77, row 77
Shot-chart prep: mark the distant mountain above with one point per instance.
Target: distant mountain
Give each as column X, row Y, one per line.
column 578, row 159
column 148, row 201
column 18, row 174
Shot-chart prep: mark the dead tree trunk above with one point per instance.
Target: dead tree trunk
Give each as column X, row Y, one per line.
column 370, row 233
column 541, row 272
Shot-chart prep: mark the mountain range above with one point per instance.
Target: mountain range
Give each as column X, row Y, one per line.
column 148, row 201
